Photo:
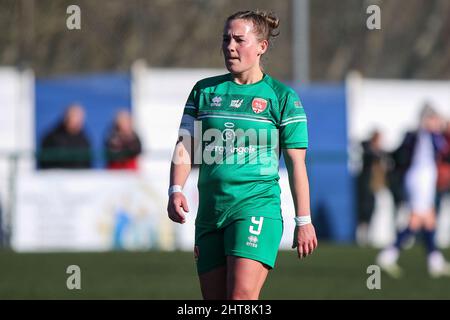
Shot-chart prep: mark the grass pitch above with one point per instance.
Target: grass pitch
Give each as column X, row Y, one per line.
column 333, row 272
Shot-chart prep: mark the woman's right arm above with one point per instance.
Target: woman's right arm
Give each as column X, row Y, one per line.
column 179, row 171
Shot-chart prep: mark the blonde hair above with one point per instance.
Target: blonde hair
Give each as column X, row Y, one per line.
column 265, row 23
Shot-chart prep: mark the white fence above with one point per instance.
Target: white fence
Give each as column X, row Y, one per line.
column 103, row 210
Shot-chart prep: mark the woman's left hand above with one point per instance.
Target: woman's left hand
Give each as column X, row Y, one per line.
column 305, row 240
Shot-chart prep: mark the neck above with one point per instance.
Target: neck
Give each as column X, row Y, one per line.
column 248, row 77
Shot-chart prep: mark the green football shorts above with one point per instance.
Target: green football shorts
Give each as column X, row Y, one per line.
column 256, row 238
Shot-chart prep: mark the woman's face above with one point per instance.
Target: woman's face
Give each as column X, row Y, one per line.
column 124, row 123
column 241, row 48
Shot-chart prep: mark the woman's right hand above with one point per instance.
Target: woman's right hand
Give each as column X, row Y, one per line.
column 177, row 206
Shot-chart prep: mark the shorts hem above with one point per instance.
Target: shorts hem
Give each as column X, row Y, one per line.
column 268, row 263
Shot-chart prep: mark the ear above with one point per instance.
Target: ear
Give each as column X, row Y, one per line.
column 263, row 45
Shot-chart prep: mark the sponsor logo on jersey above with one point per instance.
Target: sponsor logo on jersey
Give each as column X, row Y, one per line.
column 259, row 105
column 297, row 104
column 216, row 101
column 230, row 149
column 236, row 103
column 228, row 134
column 252, row 241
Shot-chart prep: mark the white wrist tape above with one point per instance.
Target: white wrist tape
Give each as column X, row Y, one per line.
column 175, row 188
column 302, row 220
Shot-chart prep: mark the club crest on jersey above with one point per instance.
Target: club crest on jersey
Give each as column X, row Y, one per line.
column 259, row 105
column 216, row 101
column 236, row 103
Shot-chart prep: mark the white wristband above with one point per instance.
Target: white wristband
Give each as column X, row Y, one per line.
column 302, row 220
column 175, row 188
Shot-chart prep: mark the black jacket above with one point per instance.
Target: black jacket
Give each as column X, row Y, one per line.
column 403, row 155
column 60, row 149
column 120, row 148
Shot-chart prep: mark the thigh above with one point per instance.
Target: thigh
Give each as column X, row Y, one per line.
column 245, row 278
column 209, row 249
column 251, row 247
column 214, row 284
column 211, row 263
column 256, row 238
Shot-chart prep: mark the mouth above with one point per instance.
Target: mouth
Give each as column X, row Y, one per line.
column 232, row 58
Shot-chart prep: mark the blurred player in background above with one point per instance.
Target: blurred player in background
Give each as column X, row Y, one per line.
column 419, row 154
column 239, row 223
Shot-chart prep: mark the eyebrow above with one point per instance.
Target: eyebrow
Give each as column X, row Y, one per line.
column 236, row 35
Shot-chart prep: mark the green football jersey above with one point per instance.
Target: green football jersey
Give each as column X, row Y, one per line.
column 240, row 130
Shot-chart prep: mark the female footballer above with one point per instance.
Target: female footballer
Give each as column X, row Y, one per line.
column 233, row 126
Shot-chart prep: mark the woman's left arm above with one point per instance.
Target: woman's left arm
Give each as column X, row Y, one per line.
column 305, row 239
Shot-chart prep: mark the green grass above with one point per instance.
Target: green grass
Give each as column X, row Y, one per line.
column 333, row 272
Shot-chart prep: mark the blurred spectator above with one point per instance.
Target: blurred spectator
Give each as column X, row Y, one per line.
column 370, row 180
column 66, row 146
column 122, row 145
column 417, row 158
column 395, row 177
column 443, row 181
